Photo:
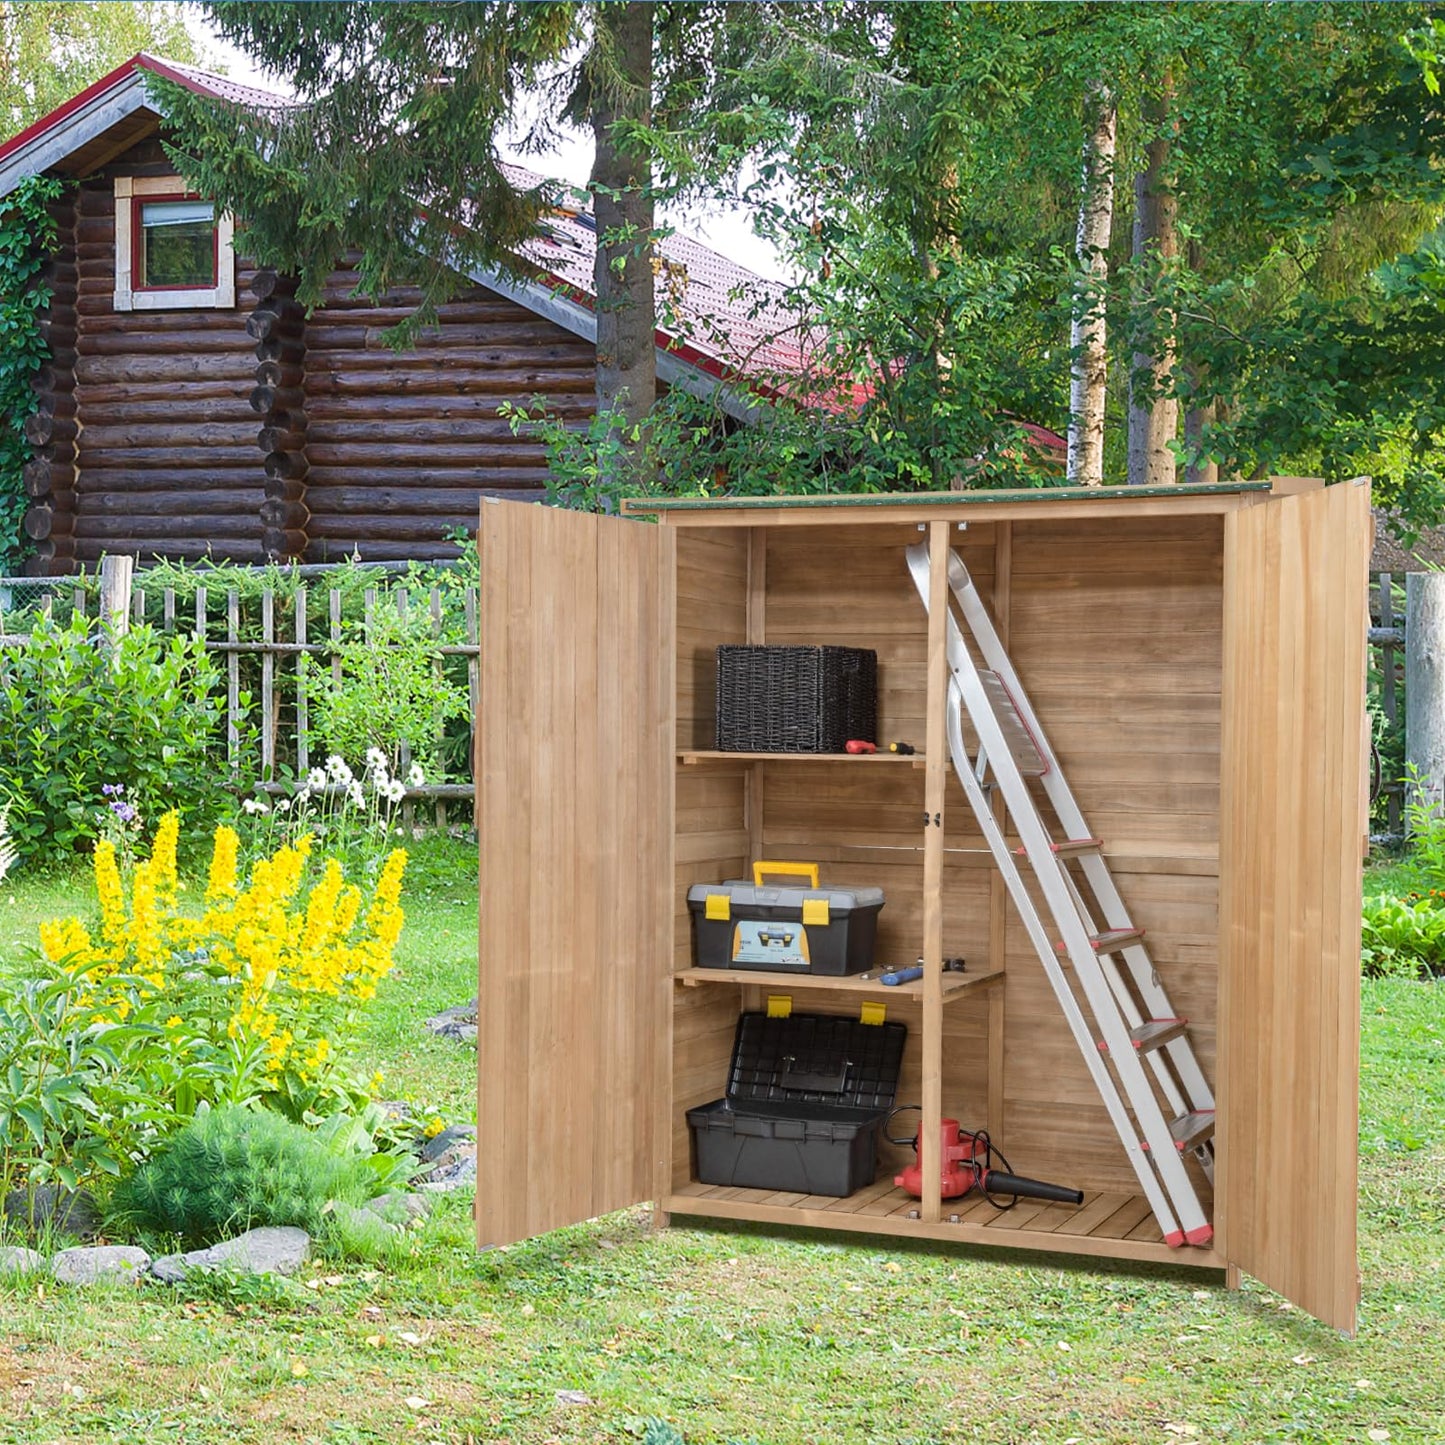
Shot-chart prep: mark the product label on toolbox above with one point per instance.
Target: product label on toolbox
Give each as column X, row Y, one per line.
column 779, row 945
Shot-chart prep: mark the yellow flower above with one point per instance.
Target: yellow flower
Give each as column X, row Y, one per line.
column 434, row 1126
column 108, row 889
column 146, row 933
column 174, row 1022
column 221, row 881
column 66, row 940
column 163, row 859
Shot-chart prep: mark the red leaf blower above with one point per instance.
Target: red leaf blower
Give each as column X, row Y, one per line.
column 966, row 1161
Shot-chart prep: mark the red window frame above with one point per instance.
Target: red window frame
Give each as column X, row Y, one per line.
column 137, row 242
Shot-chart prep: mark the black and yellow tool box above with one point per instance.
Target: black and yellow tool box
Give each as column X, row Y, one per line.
column 784, row 928
column 806, row 1097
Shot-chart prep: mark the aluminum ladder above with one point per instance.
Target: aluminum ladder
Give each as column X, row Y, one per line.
column 1119, row 1015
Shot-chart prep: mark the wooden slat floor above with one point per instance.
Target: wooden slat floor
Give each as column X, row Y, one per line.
column 1118, row 1226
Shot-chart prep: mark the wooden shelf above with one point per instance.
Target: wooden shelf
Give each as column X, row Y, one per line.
column 954, row 984
column 688, row 757
column 1120, row 1226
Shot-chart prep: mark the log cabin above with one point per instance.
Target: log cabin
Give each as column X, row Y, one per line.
column 192, row 409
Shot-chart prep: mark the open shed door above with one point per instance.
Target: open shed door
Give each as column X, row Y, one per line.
column 1292, row 830
column 575, row 768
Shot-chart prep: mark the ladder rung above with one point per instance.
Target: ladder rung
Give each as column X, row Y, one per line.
column 1192, row 1129
column 1070, row 847
column 1112, row 941
column 1152, row 1034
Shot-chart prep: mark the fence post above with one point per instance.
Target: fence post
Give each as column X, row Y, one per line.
column 116, row 574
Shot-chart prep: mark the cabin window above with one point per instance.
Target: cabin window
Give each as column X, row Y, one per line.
column 175, row 245
column 172, row 250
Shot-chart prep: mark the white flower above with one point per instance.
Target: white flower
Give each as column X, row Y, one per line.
column 283, row 805
column 376, row 760
column 394, row 791
column 316, row 780
column 354, row 795
column 255, row 805
column 337, row 770
column 415, row 778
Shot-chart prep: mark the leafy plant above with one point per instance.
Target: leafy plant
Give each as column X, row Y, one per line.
column 392, row 692
column 252, row 1001
column 235, row 1169
column 27, row 238
column 1402, row 938
column 79, row 711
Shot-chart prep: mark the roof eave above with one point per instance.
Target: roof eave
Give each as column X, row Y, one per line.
column 89, row 115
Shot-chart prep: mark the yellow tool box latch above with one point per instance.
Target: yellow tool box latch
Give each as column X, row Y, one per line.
column 815, row 913
column 719, row 907
column 780, row 1005
column 872, row 1013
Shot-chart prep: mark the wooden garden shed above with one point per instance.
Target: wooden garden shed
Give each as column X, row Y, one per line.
column 1197, row 657
column 190, row 409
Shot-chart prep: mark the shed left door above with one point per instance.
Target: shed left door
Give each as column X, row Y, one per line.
column 575, row 778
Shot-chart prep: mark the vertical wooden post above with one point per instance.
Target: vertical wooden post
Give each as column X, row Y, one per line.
column 998, row 902
column 757, row 630
column 116, row 574
column 233, row 683
column 1425, row 684
column 935, row 781
column 268, row 686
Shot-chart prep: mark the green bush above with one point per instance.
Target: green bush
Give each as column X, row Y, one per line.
column 75, row 715
column 235, row 1169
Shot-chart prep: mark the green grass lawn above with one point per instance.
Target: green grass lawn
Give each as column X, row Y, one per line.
column 590, row 1334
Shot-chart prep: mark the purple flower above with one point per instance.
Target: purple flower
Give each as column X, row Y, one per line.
column 112, row 790
column 123, row 811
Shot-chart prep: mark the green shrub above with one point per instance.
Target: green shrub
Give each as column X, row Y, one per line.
column 1402, row 938
column 235, row 1169
column 147, row 713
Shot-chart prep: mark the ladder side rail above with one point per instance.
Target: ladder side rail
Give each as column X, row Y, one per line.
column 1024, row 814
column 1180, row 1051
column 1023, row 811
column 1144, row 1166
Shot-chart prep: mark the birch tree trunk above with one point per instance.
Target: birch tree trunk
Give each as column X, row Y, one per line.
column 1088, row 386
column 621, row 186
column 1425, row 686
column 1153, row 419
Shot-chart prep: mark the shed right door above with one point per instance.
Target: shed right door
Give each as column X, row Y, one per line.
column 1292, row 827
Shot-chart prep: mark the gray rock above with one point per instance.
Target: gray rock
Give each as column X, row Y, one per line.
column 53, row 1207
column 456, row 1023
column 448, row 1139
column 100, row 1264
column 399, row 1208
column 458, row 1172
column 14, row 1260
column 276, row 1249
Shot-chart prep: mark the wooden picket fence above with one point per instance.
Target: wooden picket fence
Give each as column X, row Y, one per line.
column 284, row 666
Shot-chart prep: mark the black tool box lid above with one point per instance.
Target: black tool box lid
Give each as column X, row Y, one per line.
column 814, row 1059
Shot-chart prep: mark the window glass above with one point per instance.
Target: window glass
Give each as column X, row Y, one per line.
column 177, row 244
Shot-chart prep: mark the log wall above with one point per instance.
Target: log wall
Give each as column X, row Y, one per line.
column 400, row 446
column 260, row 434
column 167, row 446
column 49, row 476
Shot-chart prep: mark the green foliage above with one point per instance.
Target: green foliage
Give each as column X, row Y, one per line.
column 75, row 715
column 392, row 690
column 27, row 238
column 1402, row 938
column 51, row 49
column 234, row 1169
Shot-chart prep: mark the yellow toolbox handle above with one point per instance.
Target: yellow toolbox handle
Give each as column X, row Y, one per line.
column 791, row 870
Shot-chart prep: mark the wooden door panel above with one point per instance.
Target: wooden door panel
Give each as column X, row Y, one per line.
column 575, row 807
column 1292, row 825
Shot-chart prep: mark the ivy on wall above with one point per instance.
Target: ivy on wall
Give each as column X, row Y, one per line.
column 27, row 239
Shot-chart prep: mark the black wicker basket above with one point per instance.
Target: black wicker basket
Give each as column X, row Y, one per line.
column 795, row 699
